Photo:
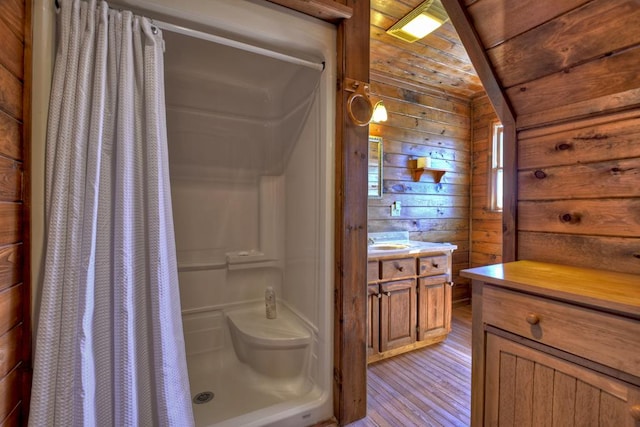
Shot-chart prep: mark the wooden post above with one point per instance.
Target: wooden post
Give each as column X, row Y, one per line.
column 350, row 368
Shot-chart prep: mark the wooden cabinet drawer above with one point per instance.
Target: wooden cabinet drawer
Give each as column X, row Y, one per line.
column 433, row 265
column 601, row 337
column 397, row 268
column 373, row 271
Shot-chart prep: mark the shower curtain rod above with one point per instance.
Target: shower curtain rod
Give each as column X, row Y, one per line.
column 231, row 43
column 239, row 45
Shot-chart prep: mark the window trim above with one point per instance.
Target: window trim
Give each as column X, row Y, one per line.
column 496, row 168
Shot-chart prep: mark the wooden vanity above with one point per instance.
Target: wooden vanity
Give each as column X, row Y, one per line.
column 409, row 300
column 554, row 345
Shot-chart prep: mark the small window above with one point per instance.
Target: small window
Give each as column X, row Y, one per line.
column 496, row 172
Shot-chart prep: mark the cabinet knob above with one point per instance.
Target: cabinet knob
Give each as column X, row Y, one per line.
column 533, row 319
column 388, row 293
column 434, row 265
column 635, row 412
column 379, row 296
column 399, row 267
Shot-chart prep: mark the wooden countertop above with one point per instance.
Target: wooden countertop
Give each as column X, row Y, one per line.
column 608, row 290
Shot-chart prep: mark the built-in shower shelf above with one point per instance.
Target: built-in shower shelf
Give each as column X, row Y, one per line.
column 249, row 259
column 197, row 266
column 240, row 260
column 261, row 264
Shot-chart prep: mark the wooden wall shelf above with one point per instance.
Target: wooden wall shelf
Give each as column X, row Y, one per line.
column 416, row 173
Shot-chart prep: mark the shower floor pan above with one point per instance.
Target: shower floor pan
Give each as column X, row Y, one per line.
column 240, row 395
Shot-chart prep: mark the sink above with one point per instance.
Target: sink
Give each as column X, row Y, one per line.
column 387, row 246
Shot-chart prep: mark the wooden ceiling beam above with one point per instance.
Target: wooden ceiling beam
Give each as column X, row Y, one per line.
column 463, row 24
column 471, row 41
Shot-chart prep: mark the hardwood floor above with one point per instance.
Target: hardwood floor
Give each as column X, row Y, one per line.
column 426, row 387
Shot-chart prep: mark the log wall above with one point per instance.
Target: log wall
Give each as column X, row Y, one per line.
column 15, row 335
column 486, row 225
column 424, row 123
column 569, row 69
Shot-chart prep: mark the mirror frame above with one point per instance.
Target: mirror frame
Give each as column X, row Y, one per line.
column 374, row 181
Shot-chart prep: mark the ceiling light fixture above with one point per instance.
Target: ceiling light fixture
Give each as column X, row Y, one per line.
column 424, row 19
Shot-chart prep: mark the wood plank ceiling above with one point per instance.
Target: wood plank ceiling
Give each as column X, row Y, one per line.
column 438, row 61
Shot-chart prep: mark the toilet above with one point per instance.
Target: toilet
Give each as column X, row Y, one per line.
column 277, row 347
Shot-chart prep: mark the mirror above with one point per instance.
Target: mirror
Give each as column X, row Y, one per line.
column 375, row 167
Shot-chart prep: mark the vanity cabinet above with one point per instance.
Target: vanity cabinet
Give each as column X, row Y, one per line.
column 409, row 303
column 555, row 345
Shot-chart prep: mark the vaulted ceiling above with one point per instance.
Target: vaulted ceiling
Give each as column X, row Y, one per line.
column 439, row 60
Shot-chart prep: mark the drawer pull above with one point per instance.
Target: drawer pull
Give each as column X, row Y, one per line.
column 635, row 412
column 435, row 265
column 533, row 319
column 399, row 268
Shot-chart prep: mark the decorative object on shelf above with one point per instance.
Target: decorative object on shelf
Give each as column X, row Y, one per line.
column 420, row 165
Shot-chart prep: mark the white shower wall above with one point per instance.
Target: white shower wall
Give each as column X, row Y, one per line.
column 305, row 231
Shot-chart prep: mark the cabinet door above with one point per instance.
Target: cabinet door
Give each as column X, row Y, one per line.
column 434, row 307
column 527, row 387
column 397, row 314
column 373, row 319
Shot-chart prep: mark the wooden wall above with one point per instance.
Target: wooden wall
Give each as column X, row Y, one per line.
column 14, row 288
column 486, row 225
column 570, row 72
column 423, row 122
column 579, row 193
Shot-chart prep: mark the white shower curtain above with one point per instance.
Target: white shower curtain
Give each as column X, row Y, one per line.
column 110, row 348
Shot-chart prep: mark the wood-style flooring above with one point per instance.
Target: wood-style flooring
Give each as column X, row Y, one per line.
column 426, row 387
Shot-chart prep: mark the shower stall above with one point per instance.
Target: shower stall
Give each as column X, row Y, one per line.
column 250, row 121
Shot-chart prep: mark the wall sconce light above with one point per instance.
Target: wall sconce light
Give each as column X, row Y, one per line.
column 424, row 19
column 379, row 113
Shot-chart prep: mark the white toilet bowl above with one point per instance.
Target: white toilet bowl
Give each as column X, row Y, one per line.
column 274, row 347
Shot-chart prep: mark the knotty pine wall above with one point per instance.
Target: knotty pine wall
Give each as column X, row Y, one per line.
column 486, row 225
column 15, row 335
column 570, row 71
column 425, row 123
column 579, row 193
